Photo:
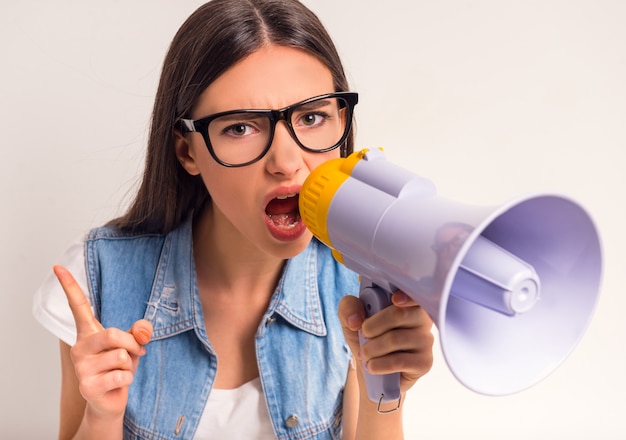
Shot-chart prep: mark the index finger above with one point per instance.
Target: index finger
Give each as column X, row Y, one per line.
column 401, row 299
column 86, row 323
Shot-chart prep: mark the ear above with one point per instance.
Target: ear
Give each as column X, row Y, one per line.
column 185, row 153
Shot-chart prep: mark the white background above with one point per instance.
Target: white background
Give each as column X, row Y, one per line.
column 489, row 98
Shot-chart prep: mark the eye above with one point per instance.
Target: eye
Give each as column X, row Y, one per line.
column 312, row 119
column 239, row 130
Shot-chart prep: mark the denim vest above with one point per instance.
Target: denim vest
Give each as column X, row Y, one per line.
column 302, row 355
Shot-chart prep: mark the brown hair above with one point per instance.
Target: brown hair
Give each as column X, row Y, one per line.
column 216, row 36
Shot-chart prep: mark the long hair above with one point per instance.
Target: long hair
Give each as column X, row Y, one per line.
column 215, row 37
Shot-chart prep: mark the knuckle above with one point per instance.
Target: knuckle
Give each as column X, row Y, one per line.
column 119, row 379
column 110, row 337
column 401, row 362
column 395, row 339
column 84, row 391
column 81, row 370
column 116, row 379
column 424, row 338
column 421, row 364
column 75, row 354
column 122, row 357
column 427, row 364
column 408, row 363
column 430, row 339
column 86, row 388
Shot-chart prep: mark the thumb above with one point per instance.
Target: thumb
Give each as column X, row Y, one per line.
column 351, row 314
column 141, row 331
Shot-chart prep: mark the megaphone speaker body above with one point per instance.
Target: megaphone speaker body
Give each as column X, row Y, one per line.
column 511, row 288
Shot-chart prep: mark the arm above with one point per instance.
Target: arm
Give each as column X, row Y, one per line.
column 400, row 340
column 77, row 420
column 72, row 402
column 361, row 419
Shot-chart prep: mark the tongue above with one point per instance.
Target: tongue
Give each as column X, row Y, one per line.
column 283, row 212
column 283, row 220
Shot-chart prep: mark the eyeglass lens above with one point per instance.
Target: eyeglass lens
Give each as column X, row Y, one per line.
column 241, row 137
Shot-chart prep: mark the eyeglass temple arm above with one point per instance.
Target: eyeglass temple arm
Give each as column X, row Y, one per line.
column 186, row 125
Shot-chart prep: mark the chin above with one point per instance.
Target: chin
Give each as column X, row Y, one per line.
column 289, row 249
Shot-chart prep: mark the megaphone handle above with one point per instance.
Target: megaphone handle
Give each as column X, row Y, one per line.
column 381, row 388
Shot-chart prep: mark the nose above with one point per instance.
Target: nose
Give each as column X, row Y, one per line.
column 284, row 157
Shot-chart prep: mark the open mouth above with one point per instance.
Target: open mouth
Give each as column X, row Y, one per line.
column 283, row 211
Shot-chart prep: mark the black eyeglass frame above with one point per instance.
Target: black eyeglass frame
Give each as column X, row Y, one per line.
column 202, row 125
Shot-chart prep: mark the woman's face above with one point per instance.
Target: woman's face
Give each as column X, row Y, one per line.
column 257, row 205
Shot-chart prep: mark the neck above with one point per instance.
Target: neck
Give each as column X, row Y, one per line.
column 229, row 264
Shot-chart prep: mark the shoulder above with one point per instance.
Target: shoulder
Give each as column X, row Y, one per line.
column 120, row 265
column 111, row 237
column 123, row 268
column 110, row 248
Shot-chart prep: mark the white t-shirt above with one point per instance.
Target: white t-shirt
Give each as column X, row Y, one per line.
column 235, row 413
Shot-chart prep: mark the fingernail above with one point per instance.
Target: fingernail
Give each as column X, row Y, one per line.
column 143, row 336
column 400, row 298
column 354, row 321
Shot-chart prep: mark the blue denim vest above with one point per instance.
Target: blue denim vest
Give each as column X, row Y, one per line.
column 302, row 355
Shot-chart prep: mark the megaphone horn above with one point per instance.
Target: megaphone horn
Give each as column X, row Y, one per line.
column 511, row 289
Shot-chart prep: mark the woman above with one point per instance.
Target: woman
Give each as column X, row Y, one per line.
column 212, row 265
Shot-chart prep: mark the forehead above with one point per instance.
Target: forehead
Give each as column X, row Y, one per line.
column 270, row 78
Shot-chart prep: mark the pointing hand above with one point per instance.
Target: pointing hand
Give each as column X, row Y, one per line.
column 105, row 360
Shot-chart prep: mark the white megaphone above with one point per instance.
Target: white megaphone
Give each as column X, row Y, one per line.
column 511, row 289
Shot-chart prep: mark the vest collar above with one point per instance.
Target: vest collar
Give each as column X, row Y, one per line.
column 174, row 305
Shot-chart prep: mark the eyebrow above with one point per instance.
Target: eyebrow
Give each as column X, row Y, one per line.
column 244, row 115
column 315, row 104
column 252, row 114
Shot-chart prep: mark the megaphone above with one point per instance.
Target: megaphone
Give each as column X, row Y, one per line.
column 511, row 289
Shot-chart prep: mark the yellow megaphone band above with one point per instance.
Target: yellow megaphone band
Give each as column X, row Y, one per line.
column 318, row 191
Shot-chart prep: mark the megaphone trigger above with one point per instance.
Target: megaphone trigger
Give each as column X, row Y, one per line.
column 380, row 388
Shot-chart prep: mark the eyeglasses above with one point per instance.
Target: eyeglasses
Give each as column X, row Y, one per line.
column 241, row 137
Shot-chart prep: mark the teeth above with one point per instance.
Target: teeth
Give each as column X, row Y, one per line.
column 286, row 196
column 284, row 221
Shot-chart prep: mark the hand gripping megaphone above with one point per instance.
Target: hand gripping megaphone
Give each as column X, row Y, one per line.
column 511, row 289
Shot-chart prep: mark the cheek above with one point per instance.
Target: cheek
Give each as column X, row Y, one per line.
column 232, row 200
column 232, row 190
column 313, row 160
column 225, row 187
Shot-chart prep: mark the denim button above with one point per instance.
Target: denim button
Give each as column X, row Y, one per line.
column 292, row 421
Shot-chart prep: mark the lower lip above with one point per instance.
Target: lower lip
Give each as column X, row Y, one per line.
column 285, row 234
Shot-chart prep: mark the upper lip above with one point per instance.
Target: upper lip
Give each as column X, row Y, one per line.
column 282, row 193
